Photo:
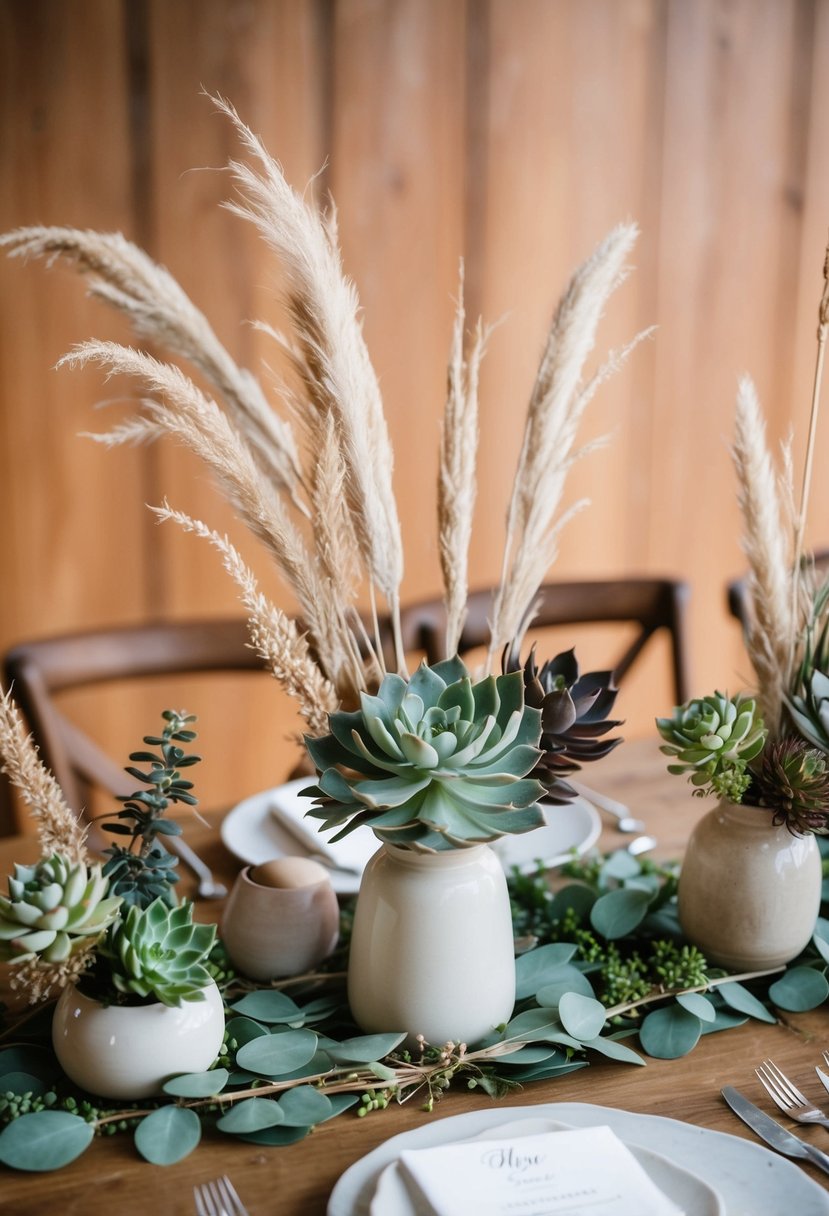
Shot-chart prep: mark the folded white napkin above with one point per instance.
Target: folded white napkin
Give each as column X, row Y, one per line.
column 583, row 1172
column 289, row 811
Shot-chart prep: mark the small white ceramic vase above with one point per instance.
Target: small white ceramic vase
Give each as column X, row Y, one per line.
column 749, row 891
column 432, row 946
column 129, row 1051
column 272, row 931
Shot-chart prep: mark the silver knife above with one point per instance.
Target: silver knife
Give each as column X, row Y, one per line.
column 771, row 1131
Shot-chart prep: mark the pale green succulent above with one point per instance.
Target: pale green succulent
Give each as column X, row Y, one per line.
column 435, row 762
column 52, row 909
column 809, row 702
column 714, row 739
column 158, row 951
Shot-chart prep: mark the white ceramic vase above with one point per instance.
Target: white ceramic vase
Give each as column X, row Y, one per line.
column 432, row 945
column 129, row 1051
column 749, row 891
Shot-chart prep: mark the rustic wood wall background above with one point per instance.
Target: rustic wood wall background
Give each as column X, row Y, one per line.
column 513, row 133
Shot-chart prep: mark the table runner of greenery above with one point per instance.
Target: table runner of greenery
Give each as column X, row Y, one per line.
column 602, row 966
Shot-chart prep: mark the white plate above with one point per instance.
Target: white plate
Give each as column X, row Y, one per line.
column 690, row 1193
column 751, row 1180
column 253, row 835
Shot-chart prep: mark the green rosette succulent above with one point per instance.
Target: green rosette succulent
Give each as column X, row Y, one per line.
column 159, row 952
column 432, row 763
column 714, row 739
column 52, row 909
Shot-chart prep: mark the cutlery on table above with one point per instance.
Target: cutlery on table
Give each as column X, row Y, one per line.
column 770, row 1131
column 208, row 887
column 787, row 1096
column 218, row 1198
column 618, row 810
column 824, row 1080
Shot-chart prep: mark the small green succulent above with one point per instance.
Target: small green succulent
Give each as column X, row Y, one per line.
column 793, row 781
column 431, row 763
column 52, row 909
column 159, row 952
column 714, row 739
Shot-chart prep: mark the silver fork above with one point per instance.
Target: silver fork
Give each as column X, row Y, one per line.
column 208, row 887
column 824, row 1080
column 787, row 1096
column 218, row 1198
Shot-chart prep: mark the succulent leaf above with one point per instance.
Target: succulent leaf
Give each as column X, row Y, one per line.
column 159, row 952
column 52, row 909
column 793, row 781
column 437, row 763
column 714, row 739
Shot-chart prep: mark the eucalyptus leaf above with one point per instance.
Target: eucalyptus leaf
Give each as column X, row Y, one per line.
column 365, row 1048
column 276, row 1054
column 275, row 1136
column 197, row 1084
column 538, row 967
column 670, row 1032
column 567, row 979
column 724, row 1019
column 338, row 1103
column 168, row 1135
column 36, row 1061
column 697, row 1004
column 532, row 1025
column 613, row 1049
column 242, row 1030
column 22, row 1083
column 44, row 1140
column 268, row 1005
column 304, row 1106
column 620, row 865
column 801, row 988
column 544, row 1071
column 576, row 898
column 738, row 997
column 581, row 1016
column 251, row 1115
column 618, row 913
column 533, row 1053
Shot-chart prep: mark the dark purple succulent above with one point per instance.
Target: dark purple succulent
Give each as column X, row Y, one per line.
column 574, row 717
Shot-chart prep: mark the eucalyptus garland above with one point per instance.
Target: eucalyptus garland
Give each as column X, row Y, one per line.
column 602, row 966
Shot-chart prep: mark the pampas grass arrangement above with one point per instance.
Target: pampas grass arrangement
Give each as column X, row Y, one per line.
column 317, row 490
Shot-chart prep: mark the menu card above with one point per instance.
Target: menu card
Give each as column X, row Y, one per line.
column 583, row 1172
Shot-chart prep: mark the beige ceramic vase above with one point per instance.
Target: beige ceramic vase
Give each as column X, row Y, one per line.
column 749, row 891
column 273, row 931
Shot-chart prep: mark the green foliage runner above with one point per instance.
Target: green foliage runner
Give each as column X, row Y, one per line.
column 602, row 968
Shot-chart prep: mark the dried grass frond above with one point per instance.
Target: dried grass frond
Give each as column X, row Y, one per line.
column 335, row 365
column 456, row 476
column 38, row 980
column 770, row 627
column 274, row 636
column 159, row 309
column 555, row 411
column 58, row 828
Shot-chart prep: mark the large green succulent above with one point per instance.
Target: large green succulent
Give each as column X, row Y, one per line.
column 809, row 703
column 158, row 952
column 574, row 719
column 714, row 740
column 432, row 763
column 52, row 909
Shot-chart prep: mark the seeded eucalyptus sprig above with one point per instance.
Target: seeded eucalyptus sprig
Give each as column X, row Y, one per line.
column 142, row 870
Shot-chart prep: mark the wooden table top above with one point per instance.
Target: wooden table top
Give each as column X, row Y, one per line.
column 297, row 1180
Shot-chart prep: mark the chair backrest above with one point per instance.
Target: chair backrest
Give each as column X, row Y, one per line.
column 38, row 671
column 651, row 604
column 737, row 596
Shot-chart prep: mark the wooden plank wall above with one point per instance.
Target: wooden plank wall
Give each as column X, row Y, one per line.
column 513, row 133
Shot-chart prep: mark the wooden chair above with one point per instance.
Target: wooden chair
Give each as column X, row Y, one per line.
column 651, row 604
column 736, row 592
column 38, row 671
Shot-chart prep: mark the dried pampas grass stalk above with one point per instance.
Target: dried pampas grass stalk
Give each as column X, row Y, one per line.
column 553, row 417
column 124, row 276
column 339, row 378
column 58, row 828
column 274, row 636
column 771, row 626
column 39, row 980
column 456, row 477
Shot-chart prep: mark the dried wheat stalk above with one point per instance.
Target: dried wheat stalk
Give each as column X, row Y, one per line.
column 456, row 476
column 771, row 626
column 337, row 371
column 124, row 276
column 274, row 636
column 58, row 828
column 553, row 417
